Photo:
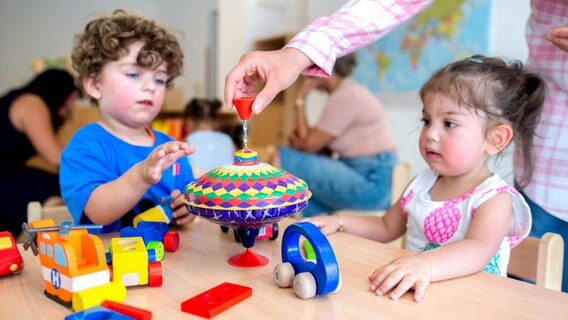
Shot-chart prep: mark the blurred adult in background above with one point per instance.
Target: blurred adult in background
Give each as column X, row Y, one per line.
column 29, row 119
column 353, row 126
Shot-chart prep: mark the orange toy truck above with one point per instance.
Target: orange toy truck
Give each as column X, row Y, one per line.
column 72, row 262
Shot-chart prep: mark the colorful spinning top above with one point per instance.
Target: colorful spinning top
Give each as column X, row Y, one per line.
column 246, row 196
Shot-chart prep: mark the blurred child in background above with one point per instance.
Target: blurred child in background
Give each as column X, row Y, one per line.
column 212, row 147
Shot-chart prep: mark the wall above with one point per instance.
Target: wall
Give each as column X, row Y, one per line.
column 31, row 29
column 34, row 28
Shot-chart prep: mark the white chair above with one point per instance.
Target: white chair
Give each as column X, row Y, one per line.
column 539, row 260
column 58, row 214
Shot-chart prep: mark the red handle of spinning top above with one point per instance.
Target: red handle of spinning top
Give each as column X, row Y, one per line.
column 244, row 107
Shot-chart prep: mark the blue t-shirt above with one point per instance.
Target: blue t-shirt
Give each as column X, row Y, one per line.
column 94, row 157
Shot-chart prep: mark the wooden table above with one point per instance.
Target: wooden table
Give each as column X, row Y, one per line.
column 201, row 263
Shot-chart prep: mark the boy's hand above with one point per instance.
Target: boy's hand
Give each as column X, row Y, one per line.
column 400, row 275
column 179, row 210
column 162, row 158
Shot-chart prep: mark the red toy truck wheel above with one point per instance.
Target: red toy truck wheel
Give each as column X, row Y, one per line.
column 171, row 241
column 154, row 274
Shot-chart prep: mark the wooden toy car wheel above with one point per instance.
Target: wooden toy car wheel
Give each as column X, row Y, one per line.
column 155, row 274
column 305, row 285
column 284, row 275
column 171, row 241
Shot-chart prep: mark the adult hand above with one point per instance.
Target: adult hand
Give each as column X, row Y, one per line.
column 295, row 140
column 276, row 69
column 401, row 275
column 559, row 36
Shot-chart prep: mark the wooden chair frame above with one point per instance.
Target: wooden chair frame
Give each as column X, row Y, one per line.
column 58, row 214
column 539, row 260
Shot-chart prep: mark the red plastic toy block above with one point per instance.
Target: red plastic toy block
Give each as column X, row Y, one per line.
column 244, row 107
column 216, row 300
column 136, row 313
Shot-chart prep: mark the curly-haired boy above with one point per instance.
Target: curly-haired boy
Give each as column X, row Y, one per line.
column 117, row 167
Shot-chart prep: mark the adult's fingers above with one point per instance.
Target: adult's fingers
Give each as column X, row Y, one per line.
column 266, row 95
column 560, row 32
column 235, row 76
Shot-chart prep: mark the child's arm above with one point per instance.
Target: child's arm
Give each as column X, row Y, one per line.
column 383, row 229
column 110, row 201
column 485, row 234
column 179, row 210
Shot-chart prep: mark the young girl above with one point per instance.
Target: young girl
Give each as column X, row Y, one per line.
column 458, row 216
column 119, row 165
column 213, row 148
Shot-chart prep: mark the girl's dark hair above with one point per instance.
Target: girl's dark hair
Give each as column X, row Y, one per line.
column 107, row 38
column 344, row 66
column 202, row 109
column 505, row 91
column 53, row 86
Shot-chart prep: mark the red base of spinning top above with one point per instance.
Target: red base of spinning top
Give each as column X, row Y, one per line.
column 248, row 259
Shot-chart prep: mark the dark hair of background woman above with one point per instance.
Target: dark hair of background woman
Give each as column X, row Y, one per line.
column 53, row 86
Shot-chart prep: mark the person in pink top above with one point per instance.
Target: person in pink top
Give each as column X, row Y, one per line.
column 360, row 22
column 354, row 127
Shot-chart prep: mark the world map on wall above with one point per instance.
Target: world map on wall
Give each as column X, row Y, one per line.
column 404, row 59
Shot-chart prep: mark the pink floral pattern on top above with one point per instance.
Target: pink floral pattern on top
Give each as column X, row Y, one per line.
column 441, row 224
column 403, row 201
column 431, row 224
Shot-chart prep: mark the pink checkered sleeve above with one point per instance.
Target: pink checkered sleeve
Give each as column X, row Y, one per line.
column 550, row 152
column 355, row 24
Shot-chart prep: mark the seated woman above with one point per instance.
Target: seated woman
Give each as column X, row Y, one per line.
column 353, row 125
column 29, row 119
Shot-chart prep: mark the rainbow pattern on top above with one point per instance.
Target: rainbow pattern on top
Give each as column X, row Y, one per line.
column 246, row 157
column 234, row 187
column 246, row 194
